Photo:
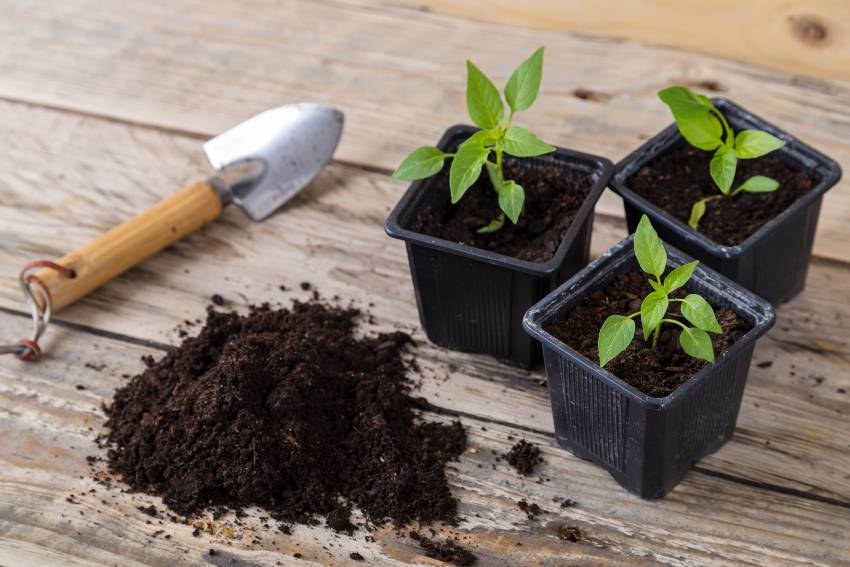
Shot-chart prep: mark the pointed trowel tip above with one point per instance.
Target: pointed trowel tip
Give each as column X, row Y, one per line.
column 292, row 142
column 333, row 114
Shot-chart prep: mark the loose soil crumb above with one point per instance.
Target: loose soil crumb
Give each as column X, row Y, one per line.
column 524, row 456
column 531, row 510
column 677, row 179
column 449, row 551
column 655, row 372
column 339, row 520
column 285, row 409
column 569, row 533
column 149, row 510
column 217, row 299
column 356, row 556
column 554, row 193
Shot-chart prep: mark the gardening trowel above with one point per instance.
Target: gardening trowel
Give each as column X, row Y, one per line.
column 260, row 165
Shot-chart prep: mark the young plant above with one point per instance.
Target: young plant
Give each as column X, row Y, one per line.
column 705, row 128
column 498, row 136
column 618, row 330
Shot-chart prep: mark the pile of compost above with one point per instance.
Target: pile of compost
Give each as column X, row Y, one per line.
column 285, row 409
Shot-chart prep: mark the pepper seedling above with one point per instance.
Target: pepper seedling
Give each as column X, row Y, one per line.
column 704, row 127
column 618, row 331
column 498, row 136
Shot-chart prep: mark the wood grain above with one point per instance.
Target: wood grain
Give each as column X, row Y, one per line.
column 810, row 37
column 793, row 430
column 397, row 73
column 122, row 247
column 49, row 513
column 116, row 98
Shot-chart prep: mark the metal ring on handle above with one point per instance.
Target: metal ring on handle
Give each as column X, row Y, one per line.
column 28, row 348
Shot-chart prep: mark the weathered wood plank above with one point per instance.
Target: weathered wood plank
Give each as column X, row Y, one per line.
column 396, row 72
column 805, row 38
column 332, row 235
column 48, row 428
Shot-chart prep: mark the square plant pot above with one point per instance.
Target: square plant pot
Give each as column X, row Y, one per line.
column 774, row 260
column 473, row 300
column 647, row 444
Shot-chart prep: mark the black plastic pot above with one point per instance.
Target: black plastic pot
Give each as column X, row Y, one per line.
column 646, row 443
column 473, row 300
column 773, row 261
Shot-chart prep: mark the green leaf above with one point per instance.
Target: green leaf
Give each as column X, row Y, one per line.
column 697, row 343
column 652, row 310
column 684, row 103
column 649, row 250
column 722, row 168
column 704, row 131
column 481, row 139
column 680, row 276
column 422, row 162
column 511, row 199
column 755, row 143
column 614, row 336
column 493, row 226
column 700, row 314
column 697, row 212
column 520, row 142
column 466, row 167
column 758, row 184
column 483, row 101
column 524, row 84
column 657, row 286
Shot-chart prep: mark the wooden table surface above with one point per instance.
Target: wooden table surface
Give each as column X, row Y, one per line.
column 103, row 107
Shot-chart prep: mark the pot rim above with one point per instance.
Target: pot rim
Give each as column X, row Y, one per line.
column 828, row 169
column 758, row 312
column 599, row 167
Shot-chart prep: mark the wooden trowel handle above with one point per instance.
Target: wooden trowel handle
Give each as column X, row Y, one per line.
column 131, row 242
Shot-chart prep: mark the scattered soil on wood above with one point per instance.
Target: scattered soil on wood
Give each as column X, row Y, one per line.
column 655, row 372
column 531, row 510
column 569, row 533
column 287, row 410
column 553, row 195
column 524, row 456
column 677, row 179
column 449, row 551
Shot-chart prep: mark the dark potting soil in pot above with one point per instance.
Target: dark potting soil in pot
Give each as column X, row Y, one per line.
column 553, row 195
column 674, row 181
column 288, row 410
column 655, row 372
